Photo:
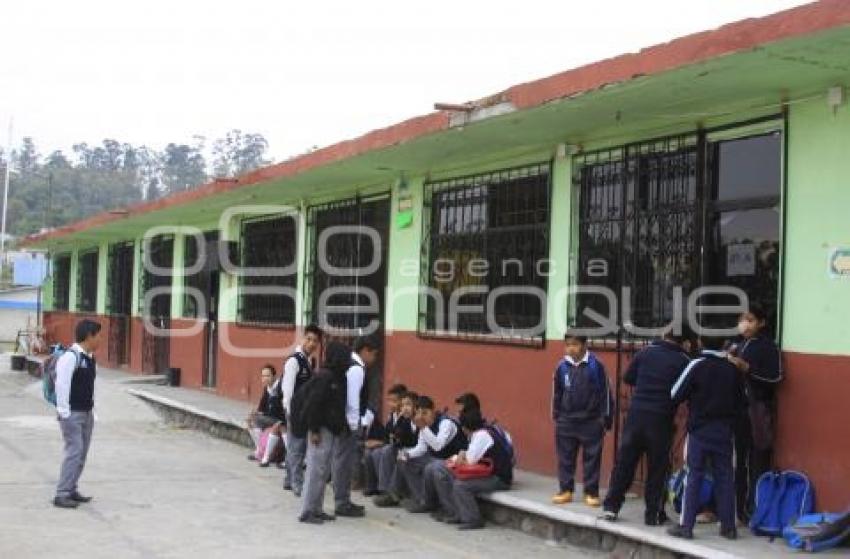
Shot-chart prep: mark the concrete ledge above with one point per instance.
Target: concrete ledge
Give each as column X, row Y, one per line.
column 585, row 530
column 186, row 416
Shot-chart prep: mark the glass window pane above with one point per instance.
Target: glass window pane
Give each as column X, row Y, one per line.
column 749, row 167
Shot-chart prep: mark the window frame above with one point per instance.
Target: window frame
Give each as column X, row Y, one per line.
column 65, row 298
column 81, row 284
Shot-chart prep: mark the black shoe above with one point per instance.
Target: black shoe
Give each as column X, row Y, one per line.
column 287, row 487
column 471, row 526
column 79, row 498
column 655, row 519
column 65, row 503
column 679, row 531
column 265, row 464
column 325, row 516
column 310, row 518
column 371, row 493
column 386, row 500
column 438, row 516
column 608, row 515
column 418, row 508
column 350, row 510
column 729, row 533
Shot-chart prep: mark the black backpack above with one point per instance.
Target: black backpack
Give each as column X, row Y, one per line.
column 298, row 409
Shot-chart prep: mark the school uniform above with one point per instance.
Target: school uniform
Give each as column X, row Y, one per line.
column 377, row 457
column 754, row 431
column 436, row 443
column 582, row 408
column 648, row 429
column 404, row 436
column 346, row 451
column 713, row 389
column 458, row 497
column 76, row 371
column 297, row 370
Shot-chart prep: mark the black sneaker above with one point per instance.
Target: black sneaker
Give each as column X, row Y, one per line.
column 65, row 503
column 325, row 516
column 310, row 518
column 287, row 487
column 729, row 533
column 386, row 500
column 79, row 498
column 679, row 531
column 418, row 508
column 655, row 519
column 350, row 510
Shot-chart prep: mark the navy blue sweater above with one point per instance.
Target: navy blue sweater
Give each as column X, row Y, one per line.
column 713, row 388
column 653, row 371
column 581, row 392
column 765, row 361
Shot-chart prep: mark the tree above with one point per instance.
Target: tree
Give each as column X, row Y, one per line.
column 27, row 156
column 238, row 153
column 183, row 167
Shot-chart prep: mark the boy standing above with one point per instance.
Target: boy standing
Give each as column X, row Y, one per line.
column 582, row 408
column 714, row 392
column 297, row 370
column 649, row 426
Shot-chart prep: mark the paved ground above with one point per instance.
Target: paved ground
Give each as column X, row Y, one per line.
column 161, row 492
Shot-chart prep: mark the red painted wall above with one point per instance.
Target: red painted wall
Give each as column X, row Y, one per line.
column 187, row 353
column 59, row 327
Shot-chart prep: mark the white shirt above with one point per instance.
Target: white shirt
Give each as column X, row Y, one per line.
column 65, row 368
column 427, row 439
column 355, row 376
column 575, row 363
column 479, row 444
column 290, row 372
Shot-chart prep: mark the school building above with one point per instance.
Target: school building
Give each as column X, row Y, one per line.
column 717, row 159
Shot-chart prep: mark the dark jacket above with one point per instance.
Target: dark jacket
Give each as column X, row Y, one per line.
column 765, row 361
column 403, row 435
column 714, row 391
column 272, row 404
column 653, row 371
column 325, row 404
column 581, row 392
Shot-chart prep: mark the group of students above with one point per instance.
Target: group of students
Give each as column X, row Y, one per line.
column 729, row 387
column 322, row 416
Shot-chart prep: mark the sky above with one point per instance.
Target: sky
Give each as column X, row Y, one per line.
column 302, row 74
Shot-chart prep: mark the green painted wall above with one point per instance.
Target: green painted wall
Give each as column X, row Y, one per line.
column 559, row 247
column 403, row 273
column 102, row 269
column 816, row 307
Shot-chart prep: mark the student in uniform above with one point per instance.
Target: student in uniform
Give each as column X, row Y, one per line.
column 324, row 411
column 458, row 497
column 648, row 430
column 297, row 370
column 440, row 437
column 269, row 413
column 757, row 357
column 714, row 391
column 380, row 451
column 404, row 436
column 365, row 354
column 582, row 409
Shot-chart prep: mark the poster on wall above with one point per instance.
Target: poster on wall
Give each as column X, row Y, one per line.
column 839, row 263
column 741, row 260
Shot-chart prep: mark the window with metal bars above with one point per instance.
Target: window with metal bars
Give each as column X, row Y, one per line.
column 61, row 281
column 120, row 278
column 649, row 226
column 486, row 246
column 267, row 243
column 156, row 275
column 87, row 281
column 200, row 280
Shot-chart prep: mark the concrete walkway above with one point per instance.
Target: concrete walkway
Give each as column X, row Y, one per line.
column 531, row 495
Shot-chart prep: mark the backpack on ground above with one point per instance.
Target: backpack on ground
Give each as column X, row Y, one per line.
column 48, row 373
column 818, row 531
column 676, row 491
column 781, row 498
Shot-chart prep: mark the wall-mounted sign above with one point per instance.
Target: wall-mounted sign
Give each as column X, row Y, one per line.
column 741, row 260
column 839, row 263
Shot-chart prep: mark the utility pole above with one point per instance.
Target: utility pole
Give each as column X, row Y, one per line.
column 5, row 202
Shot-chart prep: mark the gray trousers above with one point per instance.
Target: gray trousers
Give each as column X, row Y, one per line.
column 418, row 474
column 381, row 468
column 465, row 491
column 319, row 458
column 76, row 432
column 344, row 460
column 296, row 449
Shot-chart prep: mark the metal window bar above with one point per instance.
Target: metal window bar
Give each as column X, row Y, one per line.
column 61, row 281
column 119, row 289
column 487, row 231
column 161, row 253
column 200, row 280
column 268, row 242
column 87, row 281
column 638, row 228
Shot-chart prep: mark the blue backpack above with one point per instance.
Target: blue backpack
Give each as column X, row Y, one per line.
column 676, row 491
column 781, row 498
column 503, row 438
column 818, row 531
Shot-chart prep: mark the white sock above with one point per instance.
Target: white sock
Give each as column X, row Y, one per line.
column 255, row 436
column 270, row 446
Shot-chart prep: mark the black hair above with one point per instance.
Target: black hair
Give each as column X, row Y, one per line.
column 683, row 335
column 85, row 328
column 368, row 342
column 472, row 420
column 314, row 329
column 714, row 343
column 574, row 335
column 397, row 390
column 270, row 367
column 411, row 395
column 758, row 311
column 425, row 403
column 468, row 401
column 337, row 357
